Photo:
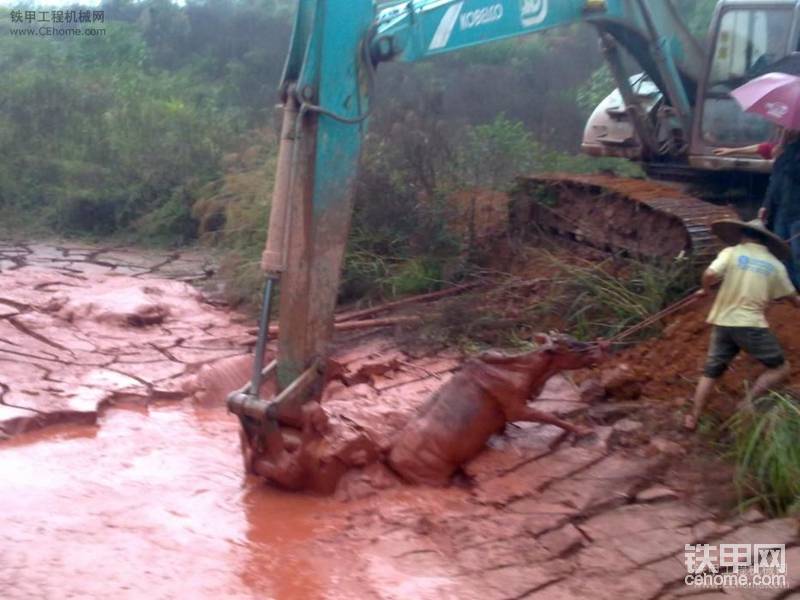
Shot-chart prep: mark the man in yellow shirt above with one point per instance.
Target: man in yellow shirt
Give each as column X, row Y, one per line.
column 751, row 275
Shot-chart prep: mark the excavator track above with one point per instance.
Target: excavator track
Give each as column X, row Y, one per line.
column 638, row 217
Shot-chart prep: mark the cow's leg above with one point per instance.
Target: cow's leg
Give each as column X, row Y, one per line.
column 526, row 413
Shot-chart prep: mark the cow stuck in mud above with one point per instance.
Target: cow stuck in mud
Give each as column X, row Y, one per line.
column 488, row 392
column 450, row 429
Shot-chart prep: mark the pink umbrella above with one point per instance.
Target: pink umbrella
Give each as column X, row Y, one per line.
column 774, row 96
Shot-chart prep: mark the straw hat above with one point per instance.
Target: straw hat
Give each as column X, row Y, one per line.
column 730, row 231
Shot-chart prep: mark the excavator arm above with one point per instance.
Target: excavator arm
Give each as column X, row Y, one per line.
column 326, row 90
column 412, row 31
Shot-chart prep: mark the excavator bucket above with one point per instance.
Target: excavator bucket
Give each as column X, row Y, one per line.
column 325, row 93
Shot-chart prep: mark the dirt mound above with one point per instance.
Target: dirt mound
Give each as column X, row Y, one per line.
column 123, row 301
column 667, row 367
column 479, row 215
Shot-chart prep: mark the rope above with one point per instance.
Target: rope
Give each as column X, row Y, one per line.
column 682, row 303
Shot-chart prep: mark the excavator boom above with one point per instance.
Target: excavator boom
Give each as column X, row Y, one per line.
column 326, row 90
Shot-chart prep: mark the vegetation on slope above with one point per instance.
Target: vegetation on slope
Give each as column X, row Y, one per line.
column 767, row 455
column 161, row 131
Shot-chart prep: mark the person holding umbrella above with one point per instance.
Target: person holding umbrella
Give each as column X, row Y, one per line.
column 776, row 97
column 751, row 275
column 766, row 150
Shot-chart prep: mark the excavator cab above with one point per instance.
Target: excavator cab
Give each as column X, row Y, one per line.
column 745, row 40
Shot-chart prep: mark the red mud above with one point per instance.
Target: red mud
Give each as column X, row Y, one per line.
column 84, row 328
column 153, row 504
column 384, row 406
column 667, row 367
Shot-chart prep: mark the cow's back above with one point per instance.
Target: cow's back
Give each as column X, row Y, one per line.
column 452, row 430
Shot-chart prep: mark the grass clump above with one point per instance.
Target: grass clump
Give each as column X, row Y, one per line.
column 588, row 300
column 603, row 299
column 767, row 454
column 501, row 312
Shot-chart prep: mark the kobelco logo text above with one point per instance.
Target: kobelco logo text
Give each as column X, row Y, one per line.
column 481, row 16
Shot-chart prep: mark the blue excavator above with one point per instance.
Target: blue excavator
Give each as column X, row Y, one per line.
column 670, row 118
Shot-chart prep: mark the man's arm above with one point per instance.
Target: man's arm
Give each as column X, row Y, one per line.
column 766, row 150
column 793, row 299
column 745, row 150
column 708, row 281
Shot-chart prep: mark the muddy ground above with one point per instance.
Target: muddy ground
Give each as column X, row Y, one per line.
column 122, row 472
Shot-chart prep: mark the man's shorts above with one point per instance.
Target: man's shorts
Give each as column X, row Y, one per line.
column 726, row 342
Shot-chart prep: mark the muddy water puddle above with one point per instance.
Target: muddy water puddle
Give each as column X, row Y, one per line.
column 152, row 505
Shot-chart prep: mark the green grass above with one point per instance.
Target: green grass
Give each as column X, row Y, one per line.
column 585, row 299
column 766, row 451
column 603, row 299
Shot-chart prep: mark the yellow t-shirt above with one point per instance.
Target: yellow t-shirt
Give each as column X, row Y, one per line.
column 751, row 278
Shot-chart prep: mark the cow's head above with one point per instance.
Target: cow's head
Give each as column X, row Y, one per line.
column 569, row 353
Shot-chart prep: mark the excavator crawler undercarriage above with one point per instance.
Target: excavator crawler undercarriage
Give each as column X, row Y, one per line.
column 640, row 218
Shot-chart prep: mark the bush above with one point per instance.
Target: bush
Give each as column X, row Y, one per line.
column 767, row 454
column 493, row 154
column 172, row 222
column 83, row 212
column 233, row 213
column 603, row 299
column 118, row 133
column 594, row 91
column 588, row 300
column 398, row 246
